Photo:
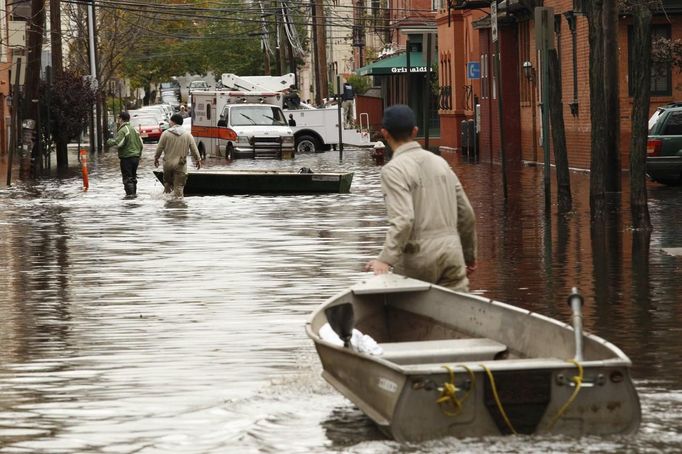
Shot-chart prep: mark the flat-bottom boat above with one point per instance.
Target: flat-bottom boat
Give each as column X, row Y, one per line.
column 456, row 364
column 226, row 182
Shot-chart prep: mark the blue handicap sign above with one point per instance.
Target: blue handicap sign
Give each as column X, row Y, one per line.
column 473, row 70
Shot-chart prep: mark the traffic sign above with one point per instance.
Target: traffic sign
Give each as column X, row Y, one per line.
column 473, row 70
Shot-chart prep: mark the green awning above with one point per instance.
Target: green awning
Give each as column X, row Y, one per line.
column 396, row 64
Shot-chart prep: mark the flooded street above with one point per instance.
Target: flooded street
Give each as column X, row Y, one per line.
column 158, row 325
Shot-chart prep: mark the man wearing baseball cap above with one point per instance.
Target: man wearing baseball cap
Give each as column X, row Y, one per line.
column 432, row 227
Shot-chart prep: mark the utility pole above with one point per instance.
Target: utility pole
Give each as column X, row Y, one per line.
column 56, row 37
column 359, row 31
column 266, row 61
column 278, row 39
column 338, row 109
column 409, row 68
column 99, row 100
column 57, row 69
column 313, row 60
column 320, row 31
column 93, row 72
column 36, row 28
column 498, row 88
column 291, row 58
column 427, row 92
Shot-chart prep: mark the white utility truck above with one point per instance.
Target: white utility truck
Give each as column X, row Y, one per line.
column 235, row 124
column 315, row 129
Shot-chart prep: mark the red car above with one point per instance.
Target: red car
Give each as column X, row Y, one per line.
column 148, row 127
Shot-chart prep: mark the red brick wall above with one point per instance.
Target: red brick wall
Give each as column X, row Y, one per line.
column 4, row 107
column 457, row 44
column 578, row 127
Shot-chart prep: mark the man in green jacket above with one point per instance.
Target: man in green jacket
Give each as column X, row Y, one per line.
column 129, row 146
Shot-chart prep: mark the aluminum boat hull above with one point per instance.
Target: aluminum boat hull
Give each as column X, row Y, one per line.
column 227, row 182
column 527, row 355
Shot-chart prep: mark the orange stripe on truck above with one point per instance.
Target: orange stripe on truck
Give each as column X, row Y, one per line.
column 214, row 132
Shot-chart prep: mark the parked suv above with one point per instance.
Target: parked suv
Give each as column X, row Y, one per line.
column 172, row 86
column 198, row 85
column 664, row 148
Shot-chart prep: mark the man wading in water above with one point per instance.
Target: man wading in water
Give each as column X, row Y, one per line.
column 175, row 143
column 432, row 232
column 129, row 146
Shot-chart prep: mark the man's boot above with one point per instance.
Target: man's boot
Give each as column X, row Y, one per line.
column 130, row 190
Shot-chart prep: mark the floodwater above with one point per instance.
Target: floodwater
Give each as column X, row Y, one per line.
column 157, row 325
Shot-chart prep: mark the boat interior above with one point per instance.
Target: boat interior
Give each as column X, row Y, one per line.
column 429, row 326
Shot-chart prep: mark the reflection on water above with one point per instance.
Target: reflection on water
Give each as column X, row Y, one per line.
column 163, row 325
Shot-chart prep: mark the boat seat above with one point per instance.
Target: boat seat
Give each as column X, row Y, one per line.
column 445, row 350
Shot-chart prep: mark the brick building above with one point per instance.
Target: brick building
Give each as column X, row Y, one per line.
column 12, row 48
column 465, row 36
column 409, row 25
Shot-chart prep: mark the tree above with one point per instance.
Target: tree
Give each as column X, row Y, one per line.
column 593, row 10
column 215, row 40
column 117, row 31
column 360, row 84
column 641, row 11
column 612, row 96
column 67, row 105
column 666, row 50
column 558, row 134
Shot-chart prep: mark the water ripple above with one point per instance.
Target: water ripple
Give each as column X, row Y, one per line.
column 157, row 325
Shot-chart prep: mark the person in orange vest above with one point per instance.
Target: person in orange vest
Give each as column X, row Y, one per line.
column 129, row 146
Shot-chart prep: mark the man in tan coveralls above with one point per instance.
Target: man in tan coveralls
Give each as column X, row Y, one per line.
column 174, row 145
column 432, row 232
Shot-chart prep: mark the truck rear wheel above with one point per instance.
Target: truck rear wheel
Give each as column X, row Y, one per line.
column 306, row 144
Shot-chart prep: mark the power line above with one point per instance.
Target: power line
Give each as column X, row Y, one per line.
column 181, row 11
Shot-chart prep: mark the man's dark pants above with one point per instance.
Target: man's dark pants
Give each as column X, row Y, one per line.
column 129, row 174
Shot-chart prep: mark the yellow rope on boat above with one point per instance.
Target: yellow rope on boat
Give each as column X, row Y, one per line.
column 578, row 380
column 497, row 399
column 449, row 393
